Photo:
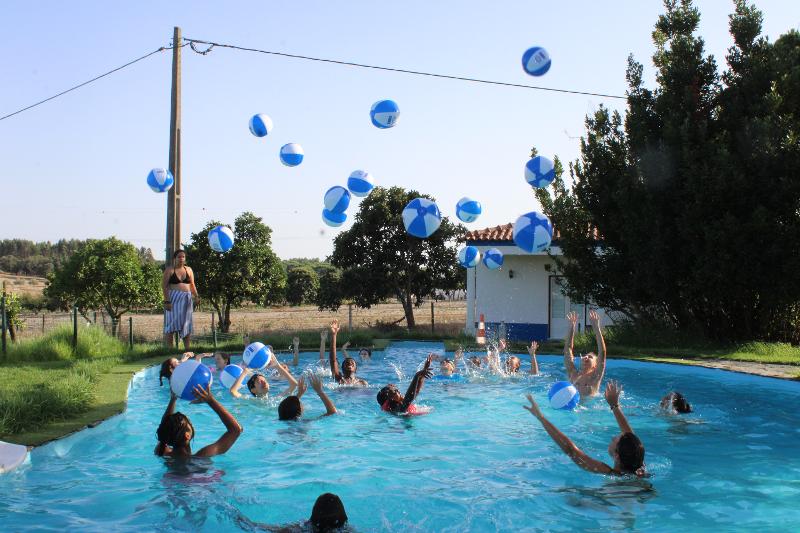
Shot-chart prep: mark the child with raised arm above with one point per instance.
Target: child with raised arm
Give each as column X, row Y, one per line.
column 258, row 385
column 323, row 336
column 175, row 433
column 364, row 353
column 347, row 376
column 625, row 449
column 593, row 366
column 532, row 353
column 169, row 365
column 390, row 399
column 291, row 408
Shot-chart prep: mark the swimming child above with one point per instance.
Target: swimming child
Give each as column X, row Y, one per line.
column 625, row 449
column 175, row 433
column 291, row 408
column 390, row 399
column 258, row 385
column 169, row 365
column 675, row 402
column 364, row 353
column 512, row 364
column 328, row 515
column 347, row 376
column 593, row 366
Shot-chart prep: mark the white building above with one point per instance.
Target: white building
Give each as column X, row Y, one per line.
column 524, row 294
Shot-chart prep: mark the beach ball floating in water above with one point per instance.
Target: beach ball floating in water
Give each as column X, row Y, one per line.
column 186, row 376
column 533, row 232
column 160, row 179
column 563, row 395
column 540, row 172
column 384, row 114
column 220, row 239
column 256, row 355
column 421, row 217
column 468, row 210
column 337, row 199
column 360, row 183
column 536, row 61
column 260, row 125
column 291, row 154
column 493, row 259
column 469, row 257
column 333, row 219
column 229, row 375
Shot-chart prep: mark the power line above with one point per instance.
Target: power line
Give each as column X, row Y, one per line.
column 390, row 69
column 88, row 82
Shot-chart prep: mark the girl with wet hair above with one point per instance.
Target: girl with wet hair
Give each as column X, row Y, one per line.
column 347, row 376
column 169, row 366
column 675, row 402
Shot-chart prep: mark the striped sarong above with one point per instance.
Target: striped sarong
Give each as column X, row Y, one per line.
column 180, row 318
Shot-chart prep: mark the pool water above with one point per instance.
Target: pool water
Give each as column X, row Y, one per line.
column 476, row 462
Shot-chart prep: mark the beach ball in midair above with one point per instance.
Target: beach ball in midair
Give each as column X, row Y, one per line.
column 533, row 232
column 563, row 395
column 220, row 239
column 260, row 125
column 229, row 375
column 540, row 172
column 291, row 154
column 468, row 210
column 360, row 183
column 186, row 376
column 536, row 61
column 493, row 259
column 421, row 217
column 469, row 257
column 160, row 179
column 257, row 355
column 384, row 114
column 337, row 199
column 333, row 219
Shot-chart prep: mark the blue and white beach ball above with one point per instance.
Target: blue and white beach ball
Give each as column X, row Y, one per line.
column 360, row 183
column 469, row 257
column 536, row 61
column 187, row 375
column 220, row 239
column 256, row 355
column 533, row 232
column 333, row 219
column 160, row 179
column 468, row 210
column 229, row 375
column 291, row 154
column 540, row 172
column 337, row 199
column 260, row 125
column 384, row 114
column 563, row 395
column 421, row 217
column 493, row 259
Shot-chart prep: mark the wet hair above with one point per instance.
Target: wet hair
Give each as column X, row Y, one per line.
column 328, row 513
column 369, row 351
column 175, row 254
column 680, row 404
column 631, row 453
column 513, row 364
column 290, row 408
column 225, row 357
column 172, row 430
column 383, row 394
column 475, row 360
column 166, row 371
column 251, row 383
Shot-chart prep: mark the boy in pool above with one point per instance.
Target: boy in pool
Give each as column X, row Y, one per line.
column 347, row 376
column 390, row 399
column 169, row 365
column 448, row 367
column 593, row 366
column 291, row 408
column 625, row 449
column 675, row 402
column 327, row 515
column 258, row 385
column 364, row 353
column 175, row 433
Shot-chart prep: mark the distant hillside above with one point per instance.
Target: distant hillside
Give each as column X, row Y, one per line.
column 18, row 284
column 20, row 256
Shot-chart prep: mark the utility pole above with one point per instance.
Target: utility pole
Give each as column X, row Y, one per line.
column 174, row 194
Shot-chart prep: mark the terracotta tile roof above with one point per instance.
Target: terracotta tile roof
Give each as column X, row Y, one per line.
column 497, row 233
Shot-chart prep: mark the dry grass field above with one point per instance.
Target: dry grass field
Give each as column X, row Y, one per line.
column 19, row 285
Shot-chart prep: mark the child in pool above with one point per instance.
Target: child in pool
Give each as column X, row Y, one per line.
column 258, row 385
column 390, row 399
column 625, row 449
column 347, row 376
column 364, row 353
column 175, row 433
column 327, row 515
column 593, row 366
column 169, row 365
column 674, row 402
column 448, row 367
column 291, row 408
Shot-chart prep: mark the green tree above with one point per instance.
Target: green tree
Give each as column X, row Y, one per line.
column 106, row 274
column 302, row 285
column 250, row 271
column 13, row 307
column 330, row 293
column 380, row 260
column 693, row 195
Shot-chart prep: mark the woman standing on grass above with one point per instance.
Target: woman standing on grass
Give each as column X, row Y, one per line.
column 180, row 295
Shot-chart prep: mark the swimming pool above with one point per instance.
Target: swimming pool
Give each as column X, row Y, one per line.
column 477, row 462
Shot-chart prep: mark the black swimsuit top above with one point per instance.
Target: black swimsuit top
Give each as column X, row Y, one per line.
column 173, row 279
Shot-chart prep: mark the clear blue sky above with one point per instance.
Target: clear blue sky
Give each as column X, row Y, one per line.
column 76, row 167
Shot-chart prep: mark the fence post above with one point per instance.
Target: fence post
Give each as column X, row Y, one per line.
column 213, row 330
column 3, row 319
column 95, row 318
column 130, row 332
column 433, row 326
column 349, row 318
column 42, row 322
column 74, row 327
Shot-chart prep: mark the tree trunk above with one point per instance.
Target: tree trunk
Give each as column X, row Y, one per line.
column 225, row 323
column 408, row 308
column 114, row 325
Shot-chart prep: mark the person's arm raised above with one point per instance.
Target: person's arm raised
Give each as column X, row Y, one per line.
column 416, row 383
column 323, row 336
column 532, row 353
column 594, row 318
column 284, row 371
column 337, row 376
column 613, row 391
column 296, row 346
column 573, row 452
column 234, row 390
column 232, row 427
column 569, row 365
column 316, row 384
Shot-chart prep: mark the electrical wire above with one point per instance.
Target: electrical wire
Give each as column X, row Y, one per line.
column 212, row 44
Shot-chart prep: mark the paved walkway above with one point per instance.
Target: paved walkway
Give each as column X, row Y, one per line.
column 759, row 369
